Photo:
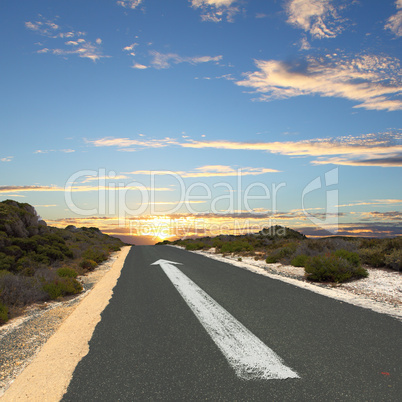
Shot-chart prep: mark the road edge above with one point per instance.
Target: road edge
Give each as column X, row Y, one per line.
column 47, row 377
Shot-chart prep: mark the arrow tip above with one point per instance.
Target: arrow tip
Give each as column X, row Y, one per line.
column 160, row 262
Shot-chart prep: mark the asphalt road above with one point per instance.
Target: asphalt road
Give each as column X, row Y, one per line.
column 150, row 345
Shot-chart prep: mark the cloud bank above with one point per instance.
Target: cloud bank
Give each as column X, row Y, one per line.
column 374, row 149
column 372, row 81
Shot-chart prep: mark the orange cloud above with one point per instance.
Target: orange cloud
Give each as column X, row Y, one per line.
column 211, row 171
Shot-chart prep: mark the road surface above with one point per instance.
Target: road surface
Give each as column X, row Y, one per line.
column 162, row 338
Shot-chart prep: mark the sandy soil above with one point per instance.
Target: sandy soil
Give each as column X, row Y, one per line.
column 48, row 376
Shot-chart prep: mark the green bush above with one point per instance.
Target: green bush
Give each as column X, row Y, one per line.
column 66, row 272
column 62, row 287
column 373, row 257
column 280, row 254
column 3, row 313
column 4, row 272
column 217, row 243
column 236, row 246
column 14, row 251
column 88, row 265
column 95, row 254
column 7, row 262
column 394, row 260
column 25, row 244
column 272, row 259
column 332, row 269
column 300, row 260
column 350, row 256
column 195, row 246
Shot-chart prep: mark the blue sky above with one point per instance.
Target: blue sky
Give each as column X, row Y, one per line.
column 285, row 91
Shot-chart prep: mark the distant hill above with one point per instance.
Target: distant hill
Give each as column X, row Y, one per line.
column 39, row 262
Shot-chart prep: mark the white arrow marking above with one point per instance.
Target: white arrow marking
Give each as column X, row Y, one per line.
column 248, row 355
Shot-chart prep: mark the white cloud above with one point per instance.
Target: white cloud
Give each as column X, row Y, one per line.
column 7, row 159
column 76, row 45
column 84, row 49
column 394, row 22
column 139, row 66
column 44, row 27
column 318, row 17
column 216, row 10
column 46, row 151
column 129, row 3
column 165, row 60
column 50, row 29
column 304, row 44
column 130, row 48
column 371, row 80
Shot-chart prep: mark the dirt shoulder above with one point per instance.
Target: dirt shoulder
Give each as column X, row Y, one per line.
column 61, row 332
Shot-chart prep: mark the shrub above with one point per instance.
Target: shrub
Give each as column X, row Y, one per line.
column 18, row 290
column 26, row 244
column 3, row 313
column 53, row 290
column 39, row 258
column 66, row 272
column 51, row 252
column 271, row 259
column 195, row 246
column 332, row 269
column 280, row 254
column 373, row 257
column 217, row 243
column 88, row 265
column 62, row 287
column 95, row 254
column 350, row 256
column 14, row 251
column 394, row 260
column 6, row 262
column 236, row 246
column 300, row 260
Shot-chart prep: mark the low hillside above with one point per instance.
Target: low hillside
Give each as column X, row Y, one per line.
column 39, row 262
column 331, row 259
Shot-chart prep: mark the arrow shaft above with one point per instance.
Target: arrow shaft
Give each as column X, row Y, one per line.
column 248, row 355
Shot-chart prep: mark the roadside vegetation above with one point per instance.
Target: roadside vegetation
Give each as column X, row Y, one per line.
column 39, row 263
column 331, row 259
